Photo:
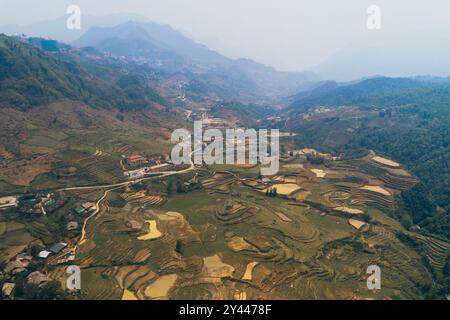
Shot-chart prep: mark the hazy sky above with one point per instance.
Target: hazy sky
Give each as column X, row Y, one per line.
column 287, row 34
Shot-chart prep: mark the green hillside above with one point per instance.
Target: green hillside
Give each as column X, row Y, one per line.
column 30, row 77
column 410, row 124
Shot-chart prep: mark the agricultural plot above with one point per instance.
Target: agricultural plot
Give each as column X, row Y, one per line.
column 143, row 198
column 228, row 239
column 219, row 183
column 285, row 189
column 436, row 250
column 386, row 162
column 14, row 238
column 131, row 245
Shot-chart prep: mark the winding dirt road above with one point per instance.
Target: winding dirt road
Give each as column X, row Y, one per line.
column 115, row 187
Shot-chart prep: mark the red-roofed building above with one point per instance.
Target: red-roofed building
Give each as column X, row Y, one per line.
column 135, row 160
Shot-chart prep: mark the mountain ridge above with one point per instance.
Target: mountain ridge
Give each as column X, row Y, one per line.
column 166, row 48
column 31, row 76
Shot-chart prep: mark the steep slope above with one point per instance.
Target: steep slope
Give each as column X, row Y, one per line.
column 55, row 101
column 30, row 77
column 149, row 40
column 362, row 92
column 162, row 47
column 56, row 28
column 405, row 119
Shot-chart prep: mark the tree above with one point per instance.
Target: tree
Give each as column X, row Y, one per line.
column 446, row 269
column 49, row 291
column 180, row 188
column 178, row 246
column 169, row 187
column 406, row 221
column 417, row 203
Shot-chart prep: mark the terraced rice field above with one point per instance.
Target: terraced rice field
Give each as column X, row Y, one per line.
column 214, row 269
column 436, row 251
column 386, row 162
column 356, row 223
column 285, row 189
column 141, row 197
column 319, row 173
column 248, row 275
column 228, row 240
column 349, row 210
column 377, row 189
column 160, row 288
column 128, row 295
column 219, row 183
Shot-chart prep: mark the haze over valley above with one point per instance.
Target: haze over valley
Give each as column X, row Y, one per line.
column 88, row 178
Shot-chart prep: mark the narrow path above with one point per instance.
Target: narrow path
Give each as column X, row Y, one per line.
column 96, row 211
column 115, row 187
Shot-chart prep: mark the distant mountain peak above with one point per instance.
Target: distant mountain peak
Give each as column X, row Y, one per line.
column 160, row 46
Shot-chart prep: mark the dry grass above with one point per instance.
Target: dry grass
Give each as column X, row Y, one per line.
column 240, row 296
column 349, row 210
column 285, row 189
column 377, row 189
column 386, row 162
column 22, row 172
column 293, row 166
column 356, row 223
column 213, row 267
column 160, row 288
column 249, row 271
column 238, row 244
column 283, row 217
column 128, row 295
column 319, row 173
column 153, row 232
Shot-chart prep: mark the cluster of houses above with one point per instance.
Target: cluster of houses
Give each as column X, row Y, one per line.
column 142, row 165
column 20, row 265
column 139, row 173
column 87, row 207
column 56, row 254
column 59, row 250
column 304, row 153
column 139, row 160
column 38, row 203
column 42, row 204
column 55, row 250
column 191, row 184
column 11, row 269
